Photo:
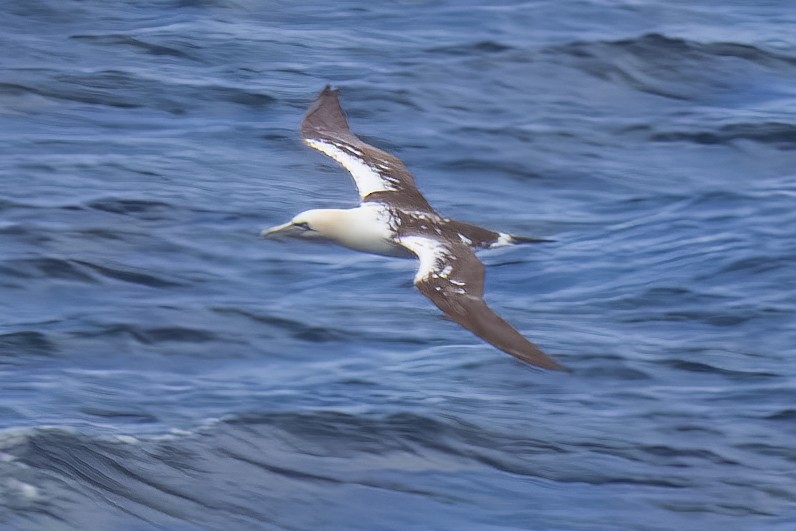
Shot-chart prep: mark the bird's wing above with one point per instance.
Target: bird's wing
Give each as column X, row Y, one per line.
column 378, row 175
column 451, row 275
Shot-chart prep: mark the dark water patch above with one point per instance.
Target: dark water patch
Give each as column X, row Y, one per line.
column 707, row 317
column 224, row 4
column 756, row 264
column 125, row 90
column 674, row 456
column 150, row 335
column 40, row 10
column 26, row 342
column 141, row 208
column 322, row 334
column 782, row 452
column 103, row 234
column 15, row 230
column 297, row 329
column 146, row 47
column 687, row 307
column 468, row 49
column 175, row 333
column 491, row 167
column 31, row 235
column 136, row 417
column 15, row 89
column 125, row 274
column 653, row 44
column 666, row 297
column 776, row 134
column 697, row 428
column 697, row 508
column 108, row 88
column 662, row 49
column 46, row 268
column 18, row 99
column 5, row 205
column 785, row 414
column 656, row 64
column 701, row 367
column 614, row 372
column 278, row 137
column 244, row 97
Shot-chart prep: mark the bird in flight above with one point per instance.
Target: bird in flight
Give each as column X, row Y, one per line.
column 394, row 219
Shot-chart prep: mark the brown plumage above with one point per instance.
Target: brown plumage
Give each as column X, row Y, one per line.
column 395, row 219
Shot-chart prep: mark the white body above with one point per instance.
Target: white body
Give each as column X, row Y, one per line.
column 367, row 229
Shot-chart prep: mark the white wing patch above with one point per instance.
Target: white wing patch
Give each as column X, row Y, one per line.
column 503, row 240
column 430, row 253
column 367, row 178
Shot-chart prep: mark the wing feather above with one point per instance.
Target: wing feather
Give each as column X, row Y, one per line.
column 378, row 175
column 451, row 275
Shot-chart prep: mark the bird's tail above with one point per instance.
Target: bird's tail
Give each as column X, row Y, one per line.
column 528, row 239
column 504, row 239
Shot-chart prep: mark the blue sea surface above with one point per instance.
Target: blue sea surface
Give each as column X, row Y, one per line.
column 163, row 367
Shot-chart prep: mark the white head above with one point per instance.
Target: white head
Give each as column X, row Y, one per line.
column 326, row 223
column 363, row 228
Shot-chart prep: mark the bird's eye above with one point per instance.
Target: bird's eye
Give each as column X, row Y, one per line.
column 303, row 225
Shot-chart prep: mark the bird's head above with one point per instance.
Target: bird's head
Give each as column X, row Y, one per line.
column 310, row 224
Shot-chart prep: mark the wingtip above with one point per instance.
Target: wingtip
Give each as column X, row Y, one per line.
column 325, row 114
column 539, row 360
column 328, row 90
column 555, row 366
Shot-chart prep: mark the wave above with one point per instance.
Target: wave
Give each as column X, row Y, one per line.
column 673, row 67
column 45, row 267
column 660, row 48
column 151, row 208
column 149, row 335
column 113, row 40
column 128, row 90
column 780, row 135
column 468, row 49
column 25, row 342
column 278, row 461
column 79, row 271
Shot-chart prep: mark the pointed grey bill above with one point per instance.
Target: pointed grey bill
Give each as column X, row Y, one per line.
column 451, row 275
column 279, row 231
column 378, row 175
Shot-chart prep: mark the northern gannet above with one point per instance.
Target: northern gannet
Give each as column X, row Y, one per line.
column 394, row 219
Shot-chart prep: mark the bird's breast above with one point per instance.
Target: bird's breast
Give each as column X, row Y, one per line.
column 370, row 229
column 375, row 244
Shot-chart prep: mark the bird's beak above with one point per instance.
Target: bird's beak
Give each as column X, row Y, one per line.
column 280, row 231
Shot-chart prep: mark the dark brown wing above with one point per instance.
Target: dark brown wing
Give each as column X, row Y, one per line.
column 378, row 175
column 453, row 278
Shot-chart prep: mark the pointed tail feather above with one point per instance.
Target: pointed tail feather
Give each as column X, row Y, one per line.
column 528, row 239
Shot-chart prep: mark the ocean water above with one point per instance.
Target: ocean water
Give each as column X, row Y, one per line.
column 162, row 367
